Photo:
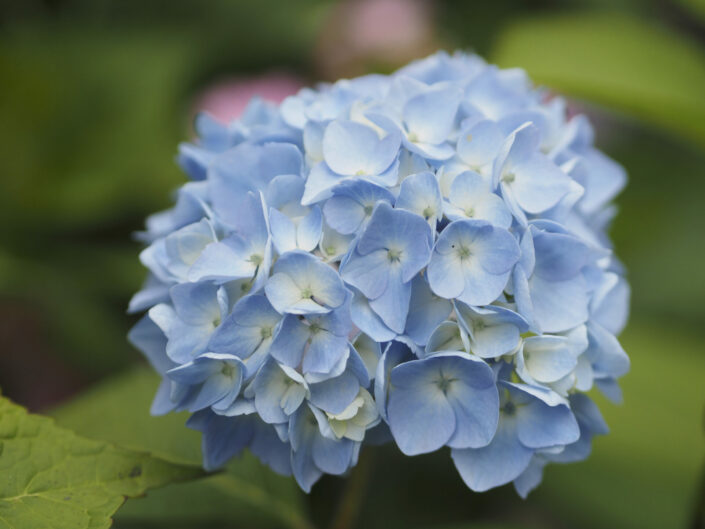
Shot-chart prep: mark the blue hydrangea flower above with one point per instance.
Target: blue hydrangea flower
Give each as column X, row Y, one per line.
column 419, row 258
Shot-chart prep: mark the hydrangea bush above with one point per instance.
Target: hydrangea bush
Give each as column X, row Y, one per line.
column 419, row 258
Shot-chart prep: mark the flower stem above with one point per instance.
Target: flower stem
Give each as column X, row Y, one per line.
column 354, row 493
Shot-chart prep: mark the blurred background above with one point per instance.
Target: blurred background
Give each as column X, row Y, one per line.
column 95, row 95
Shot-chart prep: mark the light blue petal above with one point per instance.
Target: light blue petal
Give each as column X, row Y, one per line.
column 559, row 305
column 479, row 143
column 289, row 341
column 549, row 358
column 445, row 274
column 401, row 232
column 301, row 434
column 335, row 394
column 393, row 305
column 146, row 336
column 245, row 168
column 284, row 193
column 419, row 414
column 223, row 437
column 251, row 321
column 559, row 257
column 539, row 184
column 352, row 204
column 530, row 478
column 473, row 395
column 609, row 358
column 471, row 197
column 420, row 194
column 270, row 385
column 302, row 284
column 493, row 331
column 267, row 446
column 448, row 336
column 308, row 231
column 541, row 426
column 426, row 311
column 500, row 462
column 394, row 354
column 320, row 183
column 230, row 259
column 368, row 273
column 368, row 321
column 184, row 246
column 430, row 116
column 324, row 352
column 344, row 214
column 283, row 231
column 351, row 148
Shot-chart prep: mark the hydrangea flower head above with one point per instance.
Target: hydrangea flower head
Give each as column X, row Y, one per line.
column 420, row 258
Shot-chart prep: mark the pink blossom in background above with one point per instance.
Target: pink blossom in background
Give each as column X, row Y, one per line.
column 225, row 100
column 360, row 33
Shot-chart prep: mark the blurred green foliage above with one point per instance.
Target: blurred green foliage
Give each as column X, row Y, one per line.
column 95, row 97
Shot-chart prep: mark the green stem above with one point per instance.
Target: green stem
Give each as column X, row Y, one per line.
column 354, row 493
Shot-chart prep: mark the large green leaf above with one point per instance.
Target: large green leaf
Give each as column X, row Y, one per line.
column 248, row 493
column 614, row 60
column 54, row 479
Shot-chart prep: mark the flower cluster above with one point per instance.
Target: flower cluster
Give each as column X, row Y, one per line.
column 420, row 257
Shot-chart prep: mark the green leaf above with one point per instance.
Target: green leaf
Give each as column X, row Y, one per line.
column 614, row 60
column 54, row 479
column 247, row 493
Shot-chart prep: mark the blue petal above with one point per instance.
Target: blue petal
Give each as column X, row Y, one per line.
column 368, row 273
column 420, row 194
column 394, row 354
column 500, row 462
column 393, row 305
column 252, row 320
column 474, row 398
column 368, row 321
column 283, row 231
column 324, row 352
column 308, row 231
column 559, row 305
column 267, row 446
column 479, row 143
column 301, row 434
column 609, row 358
column 150, row 340
column 335, row 394
column 302, row 284
column 398, row 231
column 270, row 386
column 352, row 204
column 530, row 478
column 289, row 341
column 229, row 259
column 426, row 311
column 559, row 257
column 541, row 426
column 320, row 183
column 430, row 115
column 471, row 197
column 419, row 414
column 248, row 167
column 196, row 303
column 350, row 148
column 493, row 331
column 223, row 437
